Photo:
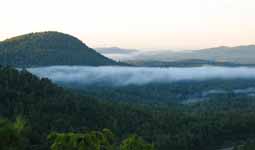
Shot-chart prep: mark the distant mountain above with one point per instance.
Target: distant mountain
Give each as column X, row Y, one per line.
column 236, row 55
column 239, row 54
column 115, row 50
column 184, row 63
column 49, row 48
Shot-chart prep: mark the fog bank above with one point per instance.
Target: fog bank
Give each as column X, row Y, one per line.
column 121, row 76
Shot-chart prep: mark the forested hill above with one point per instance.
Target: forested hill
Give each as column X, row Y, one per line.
column 48, row 108
column 49, row 48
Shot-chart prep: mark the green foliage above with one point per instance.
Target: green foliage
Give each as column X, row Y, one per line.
column 134, row 142
column 95, row 140
column 92, row 140
column 12, row 135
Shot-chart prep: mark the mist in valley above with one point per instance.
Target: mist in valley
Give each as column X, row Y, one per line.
column 123, row 76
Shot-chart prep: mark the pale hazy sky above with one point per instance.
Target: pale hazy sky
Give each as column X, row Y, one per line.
column 142, row 24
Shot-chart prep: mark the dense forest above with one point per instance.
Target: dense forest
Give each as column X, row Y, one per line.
column 49, row 48
column 185, row 91
column 46, row 115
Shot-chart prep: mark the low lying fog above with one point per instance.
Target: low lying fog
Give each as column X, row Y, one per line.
column 121, row 76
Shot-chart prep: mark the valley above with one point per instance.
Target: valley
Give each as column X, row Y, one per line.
column 57, row 93
column 127, row 75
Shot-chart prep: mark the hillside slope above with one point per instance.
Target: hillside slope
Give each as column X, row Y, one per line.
column 49, row 108
column 49, row 48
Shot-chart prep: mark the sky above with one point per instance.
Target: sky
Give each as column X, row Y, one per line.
column 140, row 24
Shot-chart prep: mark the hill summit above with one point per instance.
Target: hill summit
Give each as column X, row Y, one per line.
column 49, row 48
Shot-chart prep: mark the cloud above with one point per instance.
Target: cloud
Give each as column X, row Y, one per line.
column 121, row 76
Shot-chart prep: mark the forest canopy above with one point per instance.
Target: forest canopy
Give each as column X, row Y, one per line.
column 48, row 108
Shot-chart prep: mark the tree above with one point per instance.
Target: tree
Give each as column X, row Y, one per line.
column 12, row 135
column 134, row 142
column 93, row 140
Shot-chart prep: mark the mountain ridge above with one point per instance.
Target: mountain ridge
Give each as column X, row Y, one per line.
column 239, row 55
